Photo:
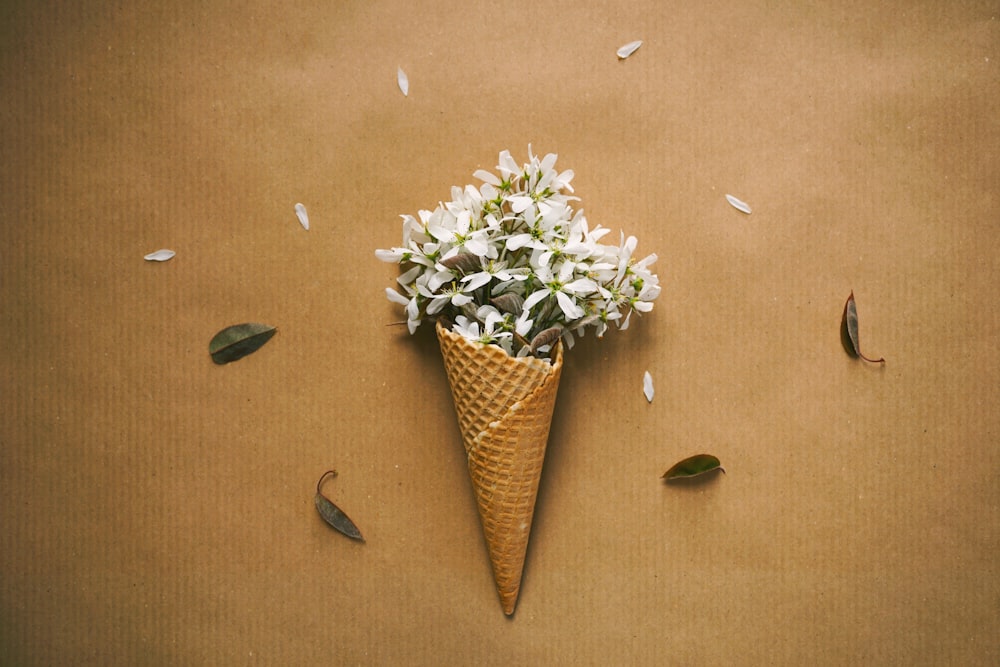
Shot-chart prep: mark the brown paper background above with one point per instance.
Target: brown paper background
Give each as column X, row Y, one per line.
column 157, row 509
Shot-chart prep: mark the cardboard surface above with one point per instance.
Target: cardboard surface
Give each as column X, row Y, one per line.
column 157, row 509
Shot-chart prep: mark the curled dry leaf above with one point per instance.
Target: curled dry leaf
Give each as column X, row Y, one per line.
column 300, row 211
column 160, row 255
column 693, row 466
column 647, row 386
column 332, row 514
column 738, row 204
column 238, row 341
column 630, row 48
column 403, row 81
column 545, row 337
column 849, row 331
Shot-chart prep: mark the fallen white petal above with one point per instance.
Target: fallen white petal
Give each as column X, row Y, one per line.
column 647, row 386
column 300, row 210
column 404, row 83
column 160, row 255
column 629, row 49
column 738, row 205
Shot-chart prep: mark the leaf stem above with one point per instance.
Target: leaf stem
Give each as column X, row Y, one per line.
column 328, row 473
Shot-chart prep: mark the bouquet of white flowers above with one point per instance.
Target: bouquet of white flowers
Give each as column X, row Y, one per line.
column 509, row 271
column 512, row 264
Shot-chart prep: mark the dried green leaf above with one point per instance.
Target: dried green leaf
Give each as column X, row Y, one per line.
column 693, row 466
column 332, row 514
column 238, row 341
column 849, row 331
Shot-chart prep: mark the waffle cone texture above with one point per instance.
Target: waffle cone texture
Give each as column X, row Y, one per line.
column 504, row 407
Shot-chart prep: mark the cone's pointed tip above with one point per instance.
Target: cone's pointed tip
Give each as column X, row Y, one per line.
column 508, row 602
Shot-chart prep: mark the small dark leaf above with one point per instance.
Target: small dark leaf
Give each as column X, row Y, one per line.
column 692, row 467
column 464, row 262
column 469, row 310
column 545, row 337
column 332, row 514
column 849, row 331
column 508, row 303
column 238, row 341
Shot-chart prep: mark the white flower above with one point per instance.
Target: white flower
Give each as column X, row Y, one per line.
column 512, row 258
column 562, row 289
column 507, row 166
column 467, row 328
column 482, row 332
column 452, row 294
column 493, row 269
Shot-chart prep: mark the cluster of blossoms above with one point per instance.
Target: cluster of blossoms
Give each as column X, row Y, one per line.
column 512, row 264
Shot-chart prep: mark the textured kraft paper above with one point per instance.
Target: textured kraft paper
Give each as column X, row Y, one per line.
column 157, row 508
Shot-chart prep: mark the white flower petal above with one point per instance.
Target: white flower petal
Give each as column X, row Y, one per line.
column 409, row 276
column 396, row 297
column 394, row 255
column 475, row 281
column 647, row 386
column 518, row 241
column 300, row 210
column 160, row 255
column 492, row 318
column 629, row 49
column 534, row 298
column 487, row 177
column 438, row 278
column 738, row 204
column 570, row 309
column 435, row 305
column 403, row 81
column 440, row 233
column 581, row 286
column 477, row 245
column 623, row 324
column 507, row 166
column 520, row 204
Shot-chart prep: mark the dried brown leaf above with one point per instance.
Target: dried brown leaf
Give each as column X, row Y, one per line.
column 545, row 337
column 332, row 514
column 849, row 331
column 508, row 303
column 464, row 262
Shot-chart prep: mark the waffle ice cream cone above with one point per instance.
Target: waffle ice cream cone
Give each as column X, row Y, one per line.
column 504, row 407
